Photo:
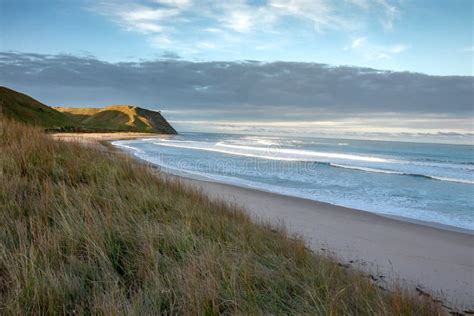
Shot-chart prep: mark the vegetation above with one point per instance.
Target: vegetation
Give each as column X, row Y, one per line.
column 120, row 117
column 92, row 231
column 21, row 107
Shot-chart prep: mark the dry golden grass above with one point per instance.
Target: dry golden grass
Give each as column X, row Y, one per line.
column 127, row 110
column 86, row 231
column 78, row 111
column 119, row 117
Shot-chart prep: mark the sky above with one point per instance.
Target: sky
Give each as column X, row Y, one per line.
column 391, row 69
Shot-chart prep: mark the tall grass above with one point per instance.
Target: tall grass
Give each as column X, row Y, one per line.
column 85, row 231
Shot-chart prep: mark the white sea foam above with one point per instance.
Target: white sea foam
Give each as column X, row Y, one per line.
column 402, row 173
column 301, row 154
column 366, row 169
column 454, row 180
column 223, row 151
column 274, row 153
column 340, row 160
column 121, row 144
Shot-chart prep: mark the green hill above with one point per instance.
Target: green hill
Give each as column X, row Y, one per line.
column 120, row 117
column 20, row 107
column 23, row 108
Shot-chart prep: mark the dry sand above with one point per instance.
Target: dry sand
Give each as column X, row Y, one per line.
column 433, row 259
column 98, row 137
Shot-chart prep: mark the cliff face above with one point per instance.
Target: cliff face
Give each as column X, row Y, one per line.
column 120, row 117
column 155, row 120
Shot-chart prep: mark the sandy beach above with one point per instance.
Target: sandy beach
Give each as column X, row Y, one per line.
column 431, row 259
column 98, row 137
column 436, row 260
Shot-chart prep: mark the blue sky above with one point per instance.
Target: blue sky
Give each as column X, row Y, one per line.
column 433, row 37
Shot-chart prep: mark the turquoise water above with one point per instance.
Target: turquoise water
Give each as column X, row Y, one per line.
column 428, row 182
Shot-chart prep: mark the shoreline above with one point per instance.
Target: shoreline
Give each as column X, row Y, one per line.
column 424, row 257
column 187, row 175
column 435, row 225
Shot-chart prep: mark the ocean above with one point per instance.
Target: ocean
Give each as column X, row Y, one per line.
column 418, row 181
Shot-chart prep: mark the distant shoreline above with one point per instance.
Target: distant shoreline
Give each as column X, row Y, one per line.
column 431, row 256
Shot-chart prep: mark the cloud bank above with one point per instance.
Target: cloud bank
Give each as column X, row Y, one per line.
column 243, row 90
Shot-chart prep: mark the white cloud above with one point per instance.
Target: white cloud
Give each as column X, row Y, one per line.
column 364, row 4
column 358, row 42
column 243, row 17
column 396, row 49
column 213, row 30
column 319, row 12
column 391, row 11
column 161, row 41
column 240, row 21
column 369, row 51
column 136, row 17
column 147, row 14
column 150, row 16
column 239, row 15
column 146, row 27
column 175, row 3
column 232, row 23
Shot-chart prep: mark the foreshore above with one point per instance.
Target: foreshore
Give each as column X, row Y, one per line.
column 99, row 137
column 431, row 259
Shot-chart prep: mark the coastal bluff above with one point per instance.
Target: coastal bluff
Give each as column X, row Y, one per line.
column 115, row 118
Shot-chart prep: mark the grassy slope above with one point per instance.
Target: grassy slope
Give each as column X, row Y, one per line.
column 18, row 106
column 91, row 231
column 120, row 117
column 78, row 114
column 21, row 107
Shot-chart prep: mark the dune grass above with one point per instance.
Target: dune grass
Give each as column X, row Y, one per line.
column 88, row 231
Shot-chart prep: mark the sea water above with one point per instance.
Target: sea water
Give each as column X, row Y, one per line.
column 426, row 182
